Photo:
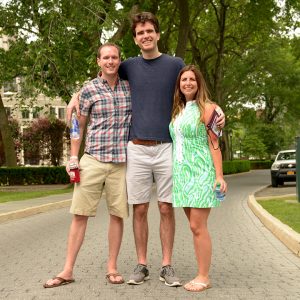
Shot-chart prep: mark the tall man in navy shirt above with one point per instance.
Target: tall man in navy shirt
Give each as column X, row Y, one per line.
column 152, row 77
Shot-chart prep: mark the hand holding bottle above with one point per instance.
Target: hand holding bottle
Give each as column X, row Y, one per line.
column 220, row 189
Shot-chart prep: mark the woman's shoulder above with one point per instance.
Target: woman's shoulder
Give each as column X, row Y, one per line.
column 209, row 106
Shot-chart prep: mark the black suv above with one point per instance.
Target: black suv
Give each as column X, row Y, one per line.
column 284, row 167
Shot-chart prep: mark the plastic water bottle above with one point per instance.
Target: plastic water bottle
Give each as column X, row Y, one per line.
column 74, row 129
column 220, row 195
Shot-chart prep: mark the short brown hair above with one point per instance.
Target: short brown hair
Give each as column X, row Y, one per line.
column 144, row 17
column 108, row 45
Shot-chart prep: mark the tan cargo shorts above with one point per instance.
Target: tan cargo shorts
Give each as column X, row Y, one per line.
column 95, row 176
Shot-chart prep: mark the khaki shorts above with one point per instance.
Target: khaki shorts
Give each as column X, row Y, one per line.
column 144, row 163
column 87, row 194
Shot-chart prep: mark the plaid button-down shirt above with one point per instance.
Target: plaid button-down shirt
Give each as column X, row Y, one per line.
column 110, row 115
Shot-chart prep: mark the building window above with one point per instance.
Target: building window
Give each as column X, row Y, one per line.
column 10, row 86
column 61, row 113
column 52, row 111
column 36, row 112
column 25, row 113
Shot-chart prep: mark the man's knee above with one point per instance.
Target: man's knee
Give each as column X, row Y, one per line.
column 166, row 209
column 116, row 219
column 79, row 218
column 140, row 211
column 79, row 221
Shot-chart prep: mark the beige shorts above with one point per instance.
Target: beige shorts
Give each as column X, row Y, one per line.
column 144, row 163
column 87, row 194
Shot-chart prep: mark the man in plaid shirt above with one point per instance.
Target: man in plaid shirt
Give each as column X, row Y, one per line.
column 106, row 101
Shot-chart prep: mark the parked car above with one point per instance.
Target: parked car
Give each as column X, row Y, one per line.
column 284, row 167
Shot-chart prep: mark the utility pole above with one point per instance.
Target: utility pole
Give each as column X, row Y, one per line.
column 298, row 166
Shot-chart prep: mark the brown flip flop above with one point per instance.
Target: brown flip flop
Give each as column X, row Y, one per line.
column 114, row 275
column 61, row 281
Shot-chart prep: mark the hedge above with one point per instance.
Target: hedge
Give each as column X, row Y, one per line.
column 260, row 164
column 58, row 175
column 235, row 166
column 33, row 175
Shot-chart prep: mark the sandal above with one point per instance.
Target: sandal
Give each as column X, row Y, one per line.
column 194, row 286
column 61, row 281
column 114, row 275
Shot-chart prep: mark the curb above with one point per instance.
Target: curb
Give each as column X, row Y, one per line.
column 277, row 197
column 283, row 232
column 22, row 213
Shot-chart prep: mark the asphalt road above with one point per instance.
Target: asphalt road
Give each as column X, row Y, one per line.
column 248, row 261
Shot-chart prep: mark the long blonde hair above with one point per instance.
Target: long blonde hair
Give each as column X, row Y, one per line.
column 201, row 97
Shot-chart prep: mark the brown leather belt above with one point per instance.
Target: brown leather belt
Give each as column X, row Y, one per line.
column 147, row 142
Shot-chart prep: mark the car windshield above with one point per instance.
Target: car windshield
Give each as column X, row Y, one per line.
column 286, row 156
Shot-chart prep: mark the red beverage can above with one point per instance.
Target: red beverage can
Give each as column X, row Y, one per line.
column 74, row 173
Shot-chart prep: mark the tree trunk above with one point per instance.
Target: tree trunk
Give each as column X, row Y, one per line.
column 218, row 76
column 184, row 27
column 8, row 142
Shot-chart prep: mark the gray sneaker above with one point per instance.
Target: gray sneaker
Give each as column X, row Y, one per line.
column 140, row 274
column 167, row 274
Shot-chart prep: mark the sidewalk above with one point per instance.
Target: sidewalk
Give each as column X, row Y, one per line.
column 24, row 208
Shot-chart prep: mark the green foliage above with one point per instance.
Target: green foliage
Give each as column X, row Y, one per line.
column 32, row 175
column 240, row 46
column 260, row 164
column 235, row 166
column 253, row 146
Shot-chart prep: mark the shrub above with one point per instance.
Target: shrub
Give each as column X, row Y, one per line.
column 235, row 166
column 261, row 164
column 32, row 175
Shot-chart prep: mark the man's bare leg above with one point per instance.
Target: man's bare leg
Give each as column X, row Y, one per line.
column 167, row 231
column 75, row 240
column 115, row 234
column 140, row 230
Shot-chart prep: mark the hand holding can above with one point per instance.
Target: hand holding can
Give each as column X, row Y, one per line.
column 74, row 172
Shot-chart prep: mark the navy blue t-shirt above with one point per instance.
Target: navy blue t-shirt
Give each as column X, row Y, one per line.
column 152, row 84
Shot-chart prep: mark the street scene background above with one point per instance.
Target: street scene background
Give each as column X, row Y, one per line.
column 248, row 261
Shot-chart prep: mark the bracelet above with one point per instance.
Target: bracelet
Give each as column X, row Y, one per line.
column 73, row 157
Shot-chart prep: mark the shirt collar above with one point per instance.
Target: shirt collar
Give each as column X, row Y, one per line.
column 103, row 81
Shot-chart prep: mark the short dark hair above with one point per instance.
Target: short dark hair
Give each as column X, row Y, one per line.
column 108, row 45
column 144, row 17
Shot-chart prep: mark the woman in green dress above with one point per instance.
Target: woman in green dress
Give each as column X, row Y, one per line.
column 197, row 165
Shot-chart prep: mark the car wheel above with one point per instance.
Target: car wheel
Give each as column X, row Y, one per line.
column 281, row 182
column 274, row 182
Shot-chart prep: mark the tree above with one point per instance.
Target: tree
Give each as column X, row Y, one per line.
column 253, row 147
column 14, row 127
column 223, row 37
column 7, row 139
column 7, row 72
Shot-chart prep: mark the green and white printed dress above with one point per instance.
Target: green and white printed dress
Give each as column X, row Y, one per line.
column 193, row 169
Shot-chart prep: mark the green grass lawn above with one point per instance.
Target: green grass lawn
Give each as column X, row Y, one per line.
column 18, row 196
column 287, row 213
